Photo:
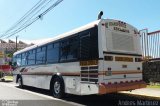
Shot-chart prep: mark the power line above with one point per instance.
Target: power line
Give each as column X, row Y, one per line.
column 31, row 20
column 23, row 17
column 27, row 21
column 21, row 28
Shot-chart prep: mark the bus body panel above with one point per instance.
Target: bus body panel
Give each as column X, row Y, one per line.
column 115, row 69
column 121, row 47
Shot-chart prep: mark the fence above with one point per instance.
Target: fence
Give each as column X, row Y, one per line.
column 151, row 54
column 150, row 44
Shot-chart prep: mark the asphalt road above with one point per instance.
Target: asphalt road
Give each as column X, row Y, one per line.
column 11, row 95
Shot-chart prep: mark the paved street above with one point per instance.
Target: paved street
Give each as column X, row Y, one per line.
column 27, row 97
column 150, row 92
column 11, row 94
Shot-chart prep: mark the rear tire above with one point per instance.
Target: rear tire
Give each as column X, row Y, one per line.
column 57, row 87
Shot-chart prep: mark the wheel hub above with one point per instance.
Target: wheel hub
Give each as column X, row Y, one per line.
column 57, row 87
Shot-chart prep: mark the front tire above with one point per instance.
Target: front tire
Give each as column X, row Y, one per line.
column 57, row 87
column 3, row 80
column 20, row 83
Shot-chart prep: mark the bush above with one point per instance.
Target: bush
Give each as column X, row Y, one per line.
column 1, row 74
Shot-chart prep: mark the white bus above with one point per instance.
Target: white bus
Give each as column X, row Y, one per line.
column 98, row 58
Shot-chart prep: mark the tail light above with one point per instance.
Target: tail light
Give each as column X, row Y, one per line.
column 121, row 82
column 109, row 83
column 115, row 82
column 126, row 82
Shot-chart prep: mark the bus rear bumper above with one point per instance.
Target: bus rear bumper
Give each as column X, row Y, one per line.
column 110, row 88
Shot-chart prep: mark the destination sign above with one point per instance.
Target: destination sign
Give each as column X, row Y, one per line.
column 118, row 26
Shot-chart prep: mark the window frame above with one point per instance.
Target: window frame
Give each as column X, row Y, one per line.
column 58, row 44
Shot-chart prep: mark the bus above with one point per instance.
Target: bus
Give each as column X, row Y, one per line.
column 98, row 58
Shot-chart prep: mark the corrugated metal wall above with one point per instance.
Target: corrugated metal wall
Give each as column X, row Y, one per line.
column 150, row 43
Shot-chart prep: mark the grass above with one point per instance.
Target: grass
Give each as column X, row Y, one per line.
column 153, row 86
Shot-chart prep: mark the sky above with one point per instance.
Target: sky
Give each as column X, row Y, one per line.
column 71, row 14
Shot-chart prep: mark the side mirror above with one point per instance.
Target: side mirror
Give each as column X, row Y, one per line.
column 15, row 64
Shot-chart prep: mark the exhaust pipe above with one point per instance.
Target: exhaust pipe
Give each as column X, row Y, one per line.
column 100, row 15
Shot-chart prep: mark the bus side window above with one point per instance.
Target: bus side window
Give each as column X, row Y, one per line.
column 31, row 57
column 85, row 45
column 94, row 43
column 89, row 44
column 18, row 59
column 24, row 61
column 41, row 55
column 73, row 50
column 64, row 48
column 53, row 52
column 69, row 49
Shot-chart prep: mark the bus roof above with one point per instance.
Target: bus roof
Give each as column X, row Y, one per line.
column 90, row 25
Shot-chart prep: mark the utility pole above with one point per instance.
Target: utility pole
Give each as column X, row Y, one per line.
column 16, row 42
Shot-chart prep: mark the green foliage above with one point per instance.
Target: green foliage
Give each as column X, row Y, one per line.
column 153, row 86
column 9, row 55
column 1, row 74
